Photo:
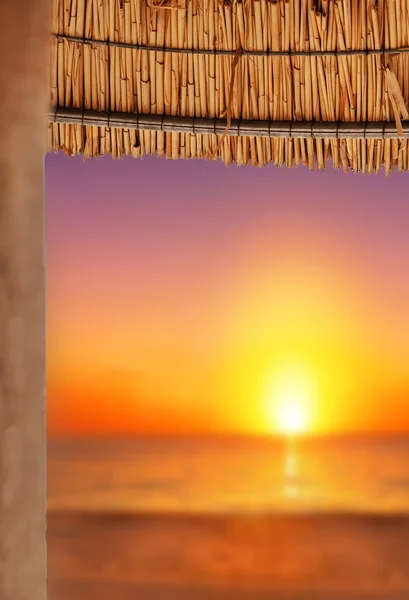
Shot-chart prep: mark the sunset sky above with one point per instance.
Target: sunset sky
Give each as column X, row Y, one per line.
column 187, row 297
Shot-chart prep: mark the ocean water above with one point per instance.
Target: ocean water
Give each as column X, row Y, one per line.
column 229, row 475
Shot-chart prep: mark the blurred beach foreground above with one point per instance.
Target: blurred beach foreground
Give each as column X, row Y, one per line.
column 328, row 557
column 221, row 546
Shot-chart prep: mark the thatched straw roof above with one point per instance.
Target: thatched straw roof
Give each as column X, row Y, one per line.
column 254, row 81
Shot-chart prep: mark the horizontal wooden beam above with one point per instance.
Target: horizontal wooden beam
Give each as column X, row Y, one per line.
column 217, row 52
column 196, row 125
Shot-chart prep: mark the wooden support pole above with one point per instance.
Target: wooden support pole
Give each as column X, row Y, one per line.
column 24, row 35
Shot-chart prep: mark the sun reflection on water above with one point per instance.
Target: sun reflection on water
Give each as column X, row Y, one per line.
column 291, row 470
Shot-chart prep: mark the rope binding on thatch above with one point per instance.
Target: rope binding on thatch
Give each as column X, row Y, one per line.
column 220, row 52
column 236, row 127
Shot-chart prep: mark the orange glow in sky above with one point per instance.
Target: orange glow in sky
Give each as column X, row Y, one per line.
column 217, row 308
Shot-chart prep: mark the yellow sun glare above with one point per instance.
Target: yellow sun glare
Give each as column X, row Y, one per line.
column 291, row 403
column 291, row 419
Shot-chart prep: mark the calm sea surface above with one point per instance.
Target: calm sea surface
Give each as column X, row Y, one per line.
column 229, row 475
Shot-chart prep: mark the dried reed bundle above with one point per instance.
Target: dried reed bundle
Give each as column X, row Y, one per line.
column 255, row 86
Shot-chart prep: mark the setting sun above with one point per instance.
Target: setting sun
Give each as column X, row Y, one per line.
column 291, row 419
column 290, row 400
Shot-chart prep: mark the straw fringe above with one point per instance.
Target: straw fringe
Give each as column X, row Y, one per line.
column 351, row 88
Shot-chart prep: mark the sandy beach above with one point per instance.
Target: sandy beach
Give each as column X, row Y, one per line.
column 218, row 557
